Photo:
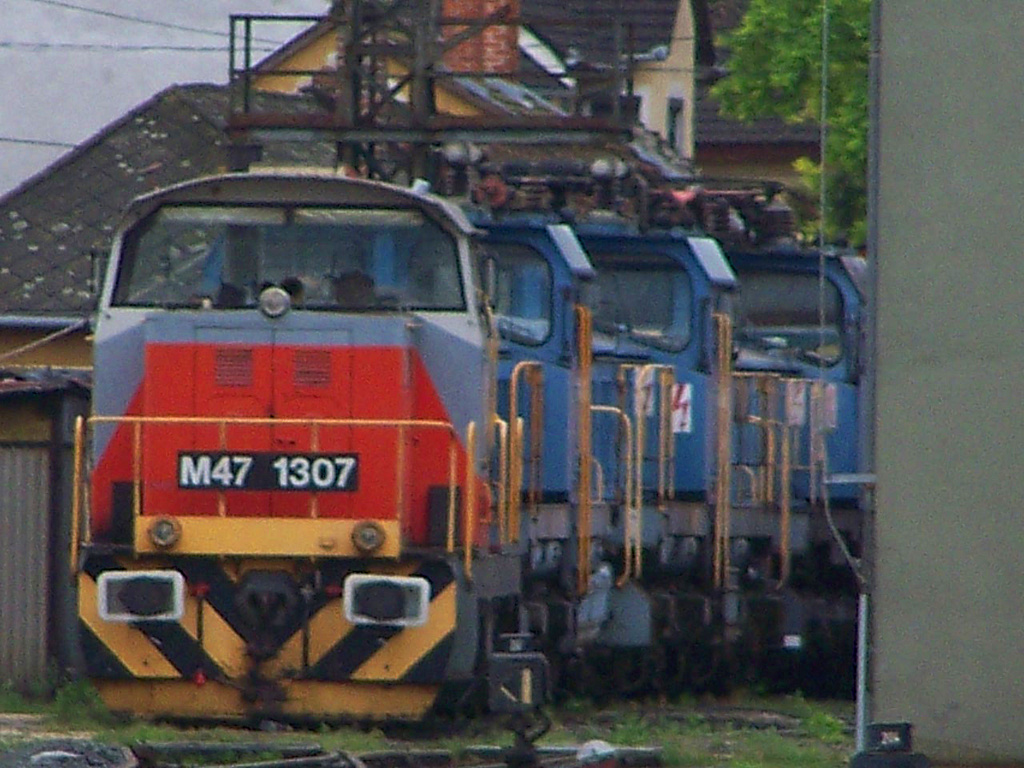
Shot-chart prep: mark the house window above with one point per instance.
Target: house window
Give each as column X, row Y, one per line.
column 675, row 124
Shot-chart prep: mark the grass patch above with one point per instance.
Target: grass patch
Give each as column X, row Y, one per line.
column 13, row 701
column 694, row 735
column 690, row 734
column 826, row 728
column 78, row 704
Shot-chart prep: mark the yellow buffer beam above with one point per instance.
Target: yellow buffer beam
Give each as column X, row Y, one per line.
column 401, row 652
column 131, row 646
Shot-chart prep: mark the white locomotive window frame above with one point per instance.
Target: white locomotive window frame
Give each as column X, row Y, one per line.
column 185, row 256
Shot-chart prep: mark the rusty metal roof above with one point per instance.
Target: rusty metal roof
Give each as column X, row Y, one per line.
column 43, row 382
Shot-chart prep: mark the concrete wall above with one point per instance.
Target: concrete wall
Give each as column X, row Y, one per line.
column 949, row 606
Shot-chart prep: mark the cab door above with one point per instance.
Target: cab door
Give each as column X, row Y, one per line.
column 316, row 467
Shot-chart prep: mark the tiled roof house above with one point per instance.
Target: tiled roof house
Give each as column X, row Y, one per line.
column 669, row 42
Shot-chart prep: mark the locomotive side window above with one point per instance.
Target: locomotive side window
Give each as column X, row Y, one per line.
column 648, row 296
column 331, row 259
column 522, row 293
column 778, row 314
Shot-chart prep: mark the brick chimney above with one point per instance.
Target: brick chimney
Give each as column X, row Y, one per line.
column 495, row 50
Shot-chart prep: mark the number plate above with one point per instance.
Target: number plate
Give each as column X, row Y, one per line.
column 268, row 471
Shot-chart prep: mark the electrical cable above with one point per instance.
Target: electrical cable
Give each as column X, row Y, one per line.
column 126, row 17
column 37, row 142
column 83, row 323
column 822, row 214
column 143, row 20
column 220, row 49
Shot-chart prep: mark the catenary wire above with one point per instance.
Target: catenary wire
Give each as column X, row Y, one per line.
column 141, row 19
column 38, row 142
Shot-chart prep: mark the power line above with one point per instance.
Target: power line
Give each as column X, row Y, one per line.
column 142, row 20
column 21, row 45
column 39, row 142
column 125, row 17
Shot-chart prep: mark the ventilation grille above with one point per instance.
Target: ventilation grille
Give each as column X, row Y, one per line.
column 233, row 368
column 312, row 368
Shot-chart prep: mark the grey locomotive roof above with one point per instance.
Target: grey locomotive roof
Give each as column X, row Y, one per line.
column 314, row 186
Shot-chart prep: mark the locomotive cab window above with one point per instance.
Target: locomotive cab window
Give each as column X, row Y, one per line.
column 330, row 259
column 779, row 315
column 521, row 293
column 645, row 296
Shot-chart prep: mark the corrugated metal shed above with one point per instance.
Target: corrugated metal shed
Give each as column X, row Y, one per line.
column 36, row 597
column 24, row 564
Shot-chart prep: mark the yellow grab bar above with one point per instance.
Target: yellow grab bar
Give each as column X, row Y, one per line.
column 631, row 549
column 584, row 340
column 76, row 493
column 470, row 520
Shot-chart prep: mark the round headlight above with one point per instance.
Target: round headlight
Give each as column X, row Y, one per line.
column 274, row 301
column 165, row 532
column 367, row 537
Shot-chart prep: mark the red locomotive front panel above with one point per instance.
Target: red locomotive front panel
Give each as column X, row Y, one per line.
column 272, row 430
column 240, row 465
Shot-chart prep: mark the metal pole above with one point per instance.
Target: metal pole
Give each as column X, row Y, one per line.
column 862, row 671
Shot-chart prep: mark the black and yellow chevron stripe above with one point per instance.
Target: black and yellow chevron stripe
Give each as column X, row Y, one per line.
column 200, row 665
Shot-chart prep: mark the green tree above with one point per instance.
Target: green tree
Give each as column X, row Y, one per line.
column 774, row 70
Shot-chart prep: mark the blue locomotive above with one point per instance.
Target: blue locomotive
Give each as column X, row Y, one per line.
column 704, row 406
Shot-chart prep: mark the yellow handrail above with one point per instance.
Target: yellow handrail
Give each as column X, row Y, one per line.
column 536, row 381
column 584, row 340
column 723, row 481
column 79, row 491
column 785, row 504
column 665, row 440
column 452, row 472
column 515, row 477
column 666, row 446
column 532, row 369
column 763, row 491
column 267, row 421
column 503, row 477
column 76, row 492
column 629, row 533
column 470, row 517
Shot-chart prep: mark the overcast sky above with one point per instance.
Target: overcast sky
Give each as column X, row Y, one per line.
column 70, row 67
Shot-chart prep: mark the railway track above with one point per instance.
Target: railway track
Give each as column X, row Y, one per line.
column 36, row 743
